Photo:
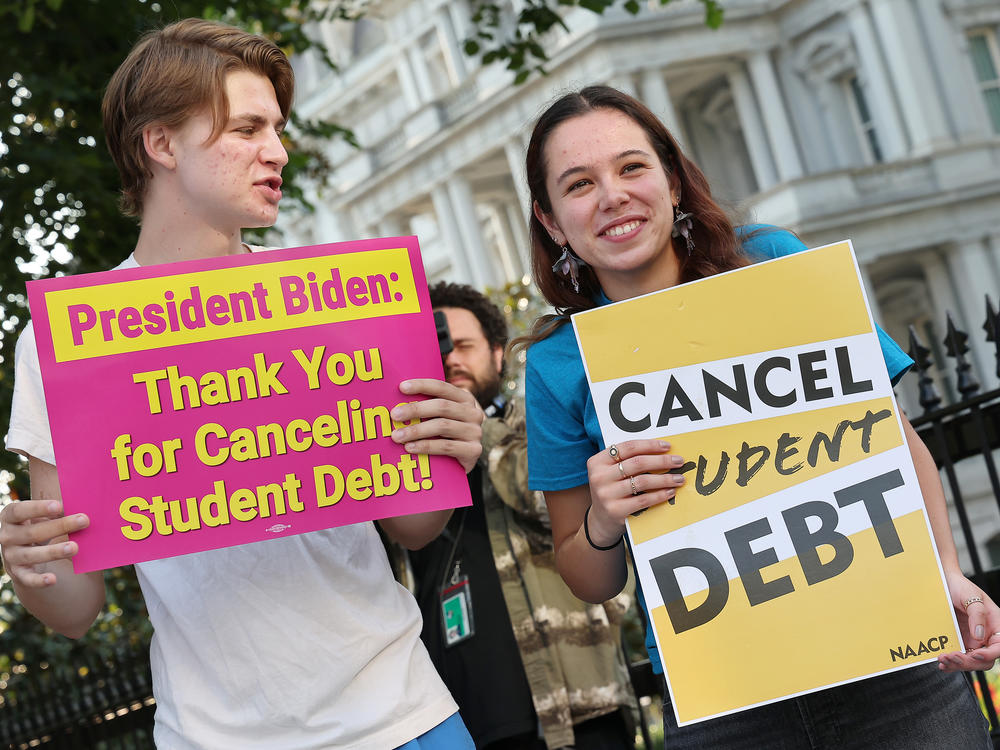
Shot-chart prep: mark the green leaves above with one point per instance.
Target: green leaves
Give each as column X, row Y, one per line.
column 522, row 44
column 59, row 207
column 713, row 13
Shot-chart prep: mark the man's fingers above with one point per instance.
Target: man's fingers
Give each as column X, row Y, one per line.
column 468, row 411
column 466, row 452
column 28, row 557
column 438, row 427
column 29, row 578
column 42, row 532
column 24, row 511
column 436, row 388
column 435, row 446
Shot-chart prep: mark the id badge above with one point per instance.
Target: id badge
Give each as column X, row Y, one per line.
column 456, row 611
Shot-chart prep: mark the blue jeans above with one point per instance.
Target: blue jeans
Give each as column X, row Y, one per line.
column 920, row 708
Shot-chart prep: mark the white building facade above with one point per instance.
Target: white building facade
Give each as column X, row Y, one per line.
column 874, row 120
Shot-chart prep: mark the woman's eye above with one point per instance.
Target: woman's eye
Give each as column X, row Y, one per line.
column 633, row 167
column 576, row 185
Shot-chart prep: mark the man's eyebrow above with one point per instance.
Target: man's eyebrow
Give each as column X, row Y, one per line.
column 623, row 155
column 258, row 120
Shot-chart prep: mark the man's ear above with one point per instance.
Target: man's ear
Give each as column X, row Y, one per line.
column 498, row 358
column 156, row 139
column 550, row 225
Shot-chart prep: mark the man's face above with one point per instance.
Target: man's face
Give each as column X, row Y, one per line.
column 473, row 365
column 234, row 181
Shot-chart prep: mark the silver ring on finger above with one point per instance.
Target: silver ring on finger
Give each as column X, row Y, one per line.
column 621, row 470
column 635, row 490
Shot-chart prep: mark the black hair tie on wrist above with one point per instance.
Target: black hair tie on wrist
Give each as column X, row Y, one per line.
column 586, row 533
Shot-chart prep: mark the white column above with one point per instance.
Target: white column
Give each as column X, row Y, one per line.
column 464, row 205
column 408, row 84
column 522, row 241
column 421, row 75
column 887, row 122
column 873, row 305
column 509, row 259
column 772, row 108
column 753, row 129
column 624, row 82
column 916, row 87
column 515, row 152
column 461, row 20
column 656, row 96
column 968, row 262
column 333, row 226
column 358, row 219
column 993, row 245
column 448, row 230
column 392, row 225
column 962, row 100
column 846, row 150
column 941, row 289
column 451, row 45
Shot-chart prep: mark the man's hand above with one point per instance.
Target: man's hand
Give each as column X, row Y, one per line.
column 34, row 536
column 450, row 421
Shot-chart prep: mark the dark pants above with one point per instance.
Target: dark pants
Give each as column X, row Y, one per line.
column 608, row 732
column 920, row 708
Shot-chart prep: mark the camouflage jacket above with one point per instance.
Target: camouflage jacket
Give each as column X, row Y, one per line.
column 571, row 650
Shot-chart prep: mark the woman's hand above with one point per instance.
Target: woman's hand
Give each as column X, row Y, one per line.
column 625, row 479
column 450, row 423
column 979, row 621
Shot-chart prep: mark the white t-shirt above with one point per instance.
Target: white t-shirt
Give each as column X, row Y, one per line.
column 299, row 642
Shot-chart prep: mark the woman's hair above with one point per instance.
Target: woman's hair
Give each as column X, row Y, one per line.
column 716, row 247
column 170, row 74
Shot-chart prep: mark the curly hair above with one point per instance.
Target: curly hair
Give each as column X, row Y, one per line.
column 446, row 294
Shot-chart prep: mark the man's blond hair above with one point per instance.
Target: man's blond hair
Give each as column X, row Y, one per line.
column 171, row 74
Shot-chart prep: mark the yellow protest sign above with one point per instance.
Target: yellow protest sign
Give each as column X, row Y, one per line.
column 798, row 555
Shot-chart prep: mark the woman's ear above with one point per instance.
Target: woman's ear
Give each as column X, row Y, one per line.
column 675, row 189
column 550, row 226
column 156, row 139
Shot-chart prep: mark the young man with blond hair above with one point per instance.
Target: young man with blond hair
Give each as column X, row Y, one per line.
column 300, row 642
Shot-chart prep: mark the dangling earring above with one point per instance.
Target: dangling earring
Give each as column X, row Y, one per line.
column 682, row 227
column 569, row 265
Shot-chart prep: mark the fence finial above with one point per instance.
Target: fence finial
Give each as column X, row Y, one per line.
column 957, row 346
column 920, row 354
column 992, row 328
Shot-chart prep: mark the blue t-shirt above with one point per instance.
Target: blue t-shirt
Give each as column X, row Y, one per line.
column 563, row 430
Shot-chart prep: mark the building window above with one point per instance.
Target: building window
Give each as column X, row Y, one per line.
column 986, row 63
column 863, row 119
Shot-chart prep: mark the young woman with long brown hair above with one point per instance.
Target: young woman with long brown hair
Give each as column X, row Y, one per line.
column 619, row 211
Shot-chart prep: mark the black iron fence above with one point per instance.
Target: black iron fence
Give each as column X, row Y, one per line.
column 964, row 431
column 108, row 704
column 104, row 704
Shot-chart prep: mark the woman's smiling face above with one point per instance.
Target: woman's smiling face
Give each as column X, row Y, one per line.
column 612, row 202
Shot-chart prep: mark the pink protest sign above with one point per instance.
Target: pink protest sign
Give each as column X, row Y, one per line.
column 217, row 402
